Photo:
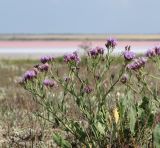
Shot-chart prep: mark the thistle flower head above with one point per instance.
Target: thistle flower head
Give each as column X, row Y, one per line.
column 43, row 67
column 35, row 70
column 111, row 43
column 49, row 83
column 157, row 51
column 150, row 53
column 129, row 55
column 29, row 75
column 46, row 59
column 137, row 63
column 72, row 57
column 94, row 52
column 100, row 50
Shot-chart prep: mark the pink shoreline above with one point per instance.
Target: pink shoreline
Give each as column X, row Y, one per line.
column 69, row 44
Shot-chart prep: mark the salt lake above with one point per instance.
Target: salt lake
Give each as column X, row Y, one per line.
column 34, row 49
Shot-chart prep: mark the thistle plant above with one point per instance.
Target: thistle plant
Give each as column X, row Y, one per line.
column 98, row 106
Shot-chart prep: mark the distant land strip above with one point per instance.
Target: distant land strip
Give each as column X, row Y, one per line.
column 78, row 37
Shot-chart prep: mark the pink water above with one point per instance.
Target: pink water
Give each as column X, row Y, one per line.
column 35, row 49
column 69, row 44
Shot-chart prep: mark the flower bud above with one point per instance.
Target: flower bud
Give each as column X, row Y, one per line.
column 88, row 89
column 43, row 67
column 124, row 78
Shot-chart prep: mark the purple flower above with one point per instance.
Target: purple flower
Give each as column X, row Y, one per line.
column 35, row 70
column 124, row 78
column 95, row 52
column 72, row 57
column 46, row 59
column 157, row 50
column 49, row 83
column 150, row 53
column 66, row 58
column 29, row 75
column 88, row 89
column 153, row 52
column 137, row 63
column 111, row 43
column 100, row 50
column 129, row 55
column 43, row 67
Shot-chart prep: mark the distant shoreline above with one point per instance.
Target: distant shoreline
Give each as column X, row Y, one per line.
column 78, row 37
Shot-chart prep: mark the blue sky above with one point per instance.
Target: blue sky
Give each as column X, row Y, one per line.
column 79, row 16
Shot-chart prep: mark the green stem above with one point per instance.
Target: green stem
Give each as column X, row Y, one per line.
column 154, row 77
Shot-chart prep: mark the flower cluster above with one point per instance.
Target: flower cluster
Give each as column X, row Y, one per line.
column 153, row 52
column 95, row 52
column 46, row 59
column 30, row 74
column 137, row 63
column 72, row 57
column 111, row 43
column 150, row 53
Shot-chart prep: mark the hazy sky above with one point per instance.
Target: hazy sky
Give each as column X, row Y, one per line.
column 79, row 16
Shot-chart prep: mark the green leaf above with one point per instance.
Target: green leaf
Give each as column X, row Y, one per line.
column 151, row 120
column 101, row 128
column 79, row 130
column 60, row 141
column 132, row 119
column 156, row 134
column 145, row 104
column 122, row 106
